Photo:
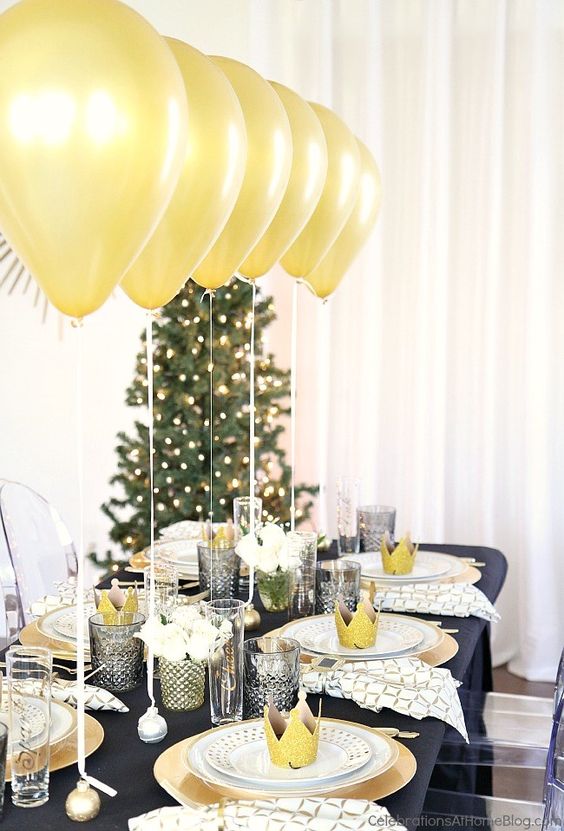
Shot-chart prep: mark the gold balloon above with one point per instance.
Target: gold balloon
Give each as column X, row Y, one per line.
column 93, row 128
column 269, row 160
column 307, row 178
column 336, row 201
column 326, row 277
column 208, row 187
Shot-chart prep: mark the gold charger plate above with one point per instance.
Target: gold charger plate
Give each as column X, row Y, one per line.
column 446, row 648
column 65, row 753
column 171, row 774
column 31, row 636
column 140, row 561
column 470, row 576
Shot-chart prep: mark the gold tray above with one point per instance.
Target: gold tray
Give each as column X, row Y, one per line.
column 171, row 774
column 65, row 753
column 31, row 636
column 446, row 648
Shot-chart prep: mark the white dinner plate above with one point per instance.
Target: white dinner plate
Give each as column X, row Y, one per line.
column 431, row 636
column 186, row 529
column 383, row 754
column 180, row 553
column 318, row 636
column 60, row 624
column 243, row 754
column 429, row 567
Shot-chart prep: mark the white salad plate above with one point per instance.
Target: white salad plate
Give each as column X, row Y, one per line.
column 60, row 624
column 63, row 721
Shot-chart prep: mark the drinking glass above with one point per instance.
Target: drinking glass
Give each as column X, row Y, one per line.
column 242, row 515
column 302, row 560
column 226, row 661
column 337, row 579
column 373, row 522
column 116, row 651
column 3, row 751
column 166, row 588
column 271, row 667
column 29, row 690
column 218, row 568
column 348, row 500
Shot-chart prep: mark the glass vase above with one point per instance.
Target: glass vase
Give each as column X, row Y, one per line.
column 182, row 684
column 274, row 589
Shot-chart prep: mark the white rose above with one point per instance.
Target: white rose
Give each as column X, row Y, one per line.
column 272, row 536
column 174, row 646
column 248, row 549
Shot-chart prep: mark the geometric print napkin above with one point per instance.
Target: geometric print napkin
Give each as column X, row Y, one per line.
column 450, row 599
column 96, row 698
column 66, row 596
column 406, row 685
column 287, row 814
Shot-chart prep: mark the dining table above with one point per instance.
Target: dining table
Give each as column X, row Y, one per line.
column 126, row 763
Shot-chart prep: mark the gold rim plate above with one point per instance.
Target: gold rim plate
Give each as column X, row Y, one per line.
column 65, row 753
column 31, row 636
column 170, row 773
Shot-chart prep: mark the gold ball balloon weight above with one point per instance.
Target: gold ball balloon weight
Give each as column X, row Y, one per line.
column 83, row 803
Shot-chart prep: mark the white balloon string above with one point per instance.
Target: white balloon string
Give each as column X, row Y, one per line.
column 210, row 370
column 80, row 633
column 149, row 363
column 252, row 435
column 293, row 386
column 323, row 351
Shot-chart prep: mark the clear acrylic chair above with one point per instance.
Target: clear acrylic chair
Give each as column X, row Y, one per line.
column 11, row 612
column 463, row 800
column 40, row 547
column 554, row 795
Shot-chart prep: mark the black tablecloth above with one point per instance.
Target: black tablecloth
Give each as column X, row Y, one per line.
column 126, row 763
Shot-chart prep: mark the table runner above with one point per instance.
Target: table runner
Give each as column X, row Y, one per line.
column 126, row 763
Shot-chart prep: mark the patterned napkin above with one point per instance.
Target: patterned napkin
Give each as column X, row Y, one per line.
column 66, row 596
column 406, row 685
column 96, row 697
column 450, row 599
column 288, row 814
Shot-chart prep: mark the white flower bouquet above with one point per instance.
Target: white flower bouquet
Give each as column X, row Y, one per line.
column 188, row 635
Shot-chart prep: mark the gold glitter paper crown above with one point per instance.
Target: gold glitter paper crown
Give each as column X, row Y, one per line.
column 359, row 630
column 115, row 604
column 292, row 743
column 398, row 560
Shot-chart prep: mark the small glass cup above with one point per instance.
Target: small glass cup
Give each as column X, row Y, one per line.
column 3, row 752
column 302, row 560
column 29, row 689
column 218, row 568
column 271, row 667
column 242, row 515
column 337, row 578
column 348, row 501
column 115, row 651
column 166, row 588
column 373, row 522
column 226, row 661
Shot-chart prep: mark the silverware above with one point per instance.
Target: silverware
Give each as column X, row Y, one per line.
column 472, row 561
column 396, row 733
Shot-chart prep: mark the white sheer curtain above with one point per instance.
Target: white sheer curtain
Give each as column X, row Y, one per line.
column 445, row 340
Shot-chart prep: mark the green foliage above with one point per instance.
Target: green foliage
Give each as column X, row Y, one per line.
column 181, row 406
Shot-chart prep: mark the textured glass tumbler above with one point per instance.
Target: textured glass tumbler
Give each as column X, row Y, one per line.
column 218, row 569
column 271, row 667
column 226, row 662
column 166, row 588
column 116, row 650
column 348, row 501
column 29, row 689
column 373, row 522
column 302, row 547
column 337, row 579
column 242, row 515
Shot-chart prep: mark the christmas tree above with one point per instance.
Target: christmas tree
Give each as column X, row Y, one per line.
column 181, row 419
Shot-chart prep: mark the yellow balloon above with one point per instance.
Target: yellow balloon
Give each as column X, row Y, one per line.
column 93, row 129
column 325, row 278
column 336, row 201
column 207, row 189
column 307, row 178
column 269, row 160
